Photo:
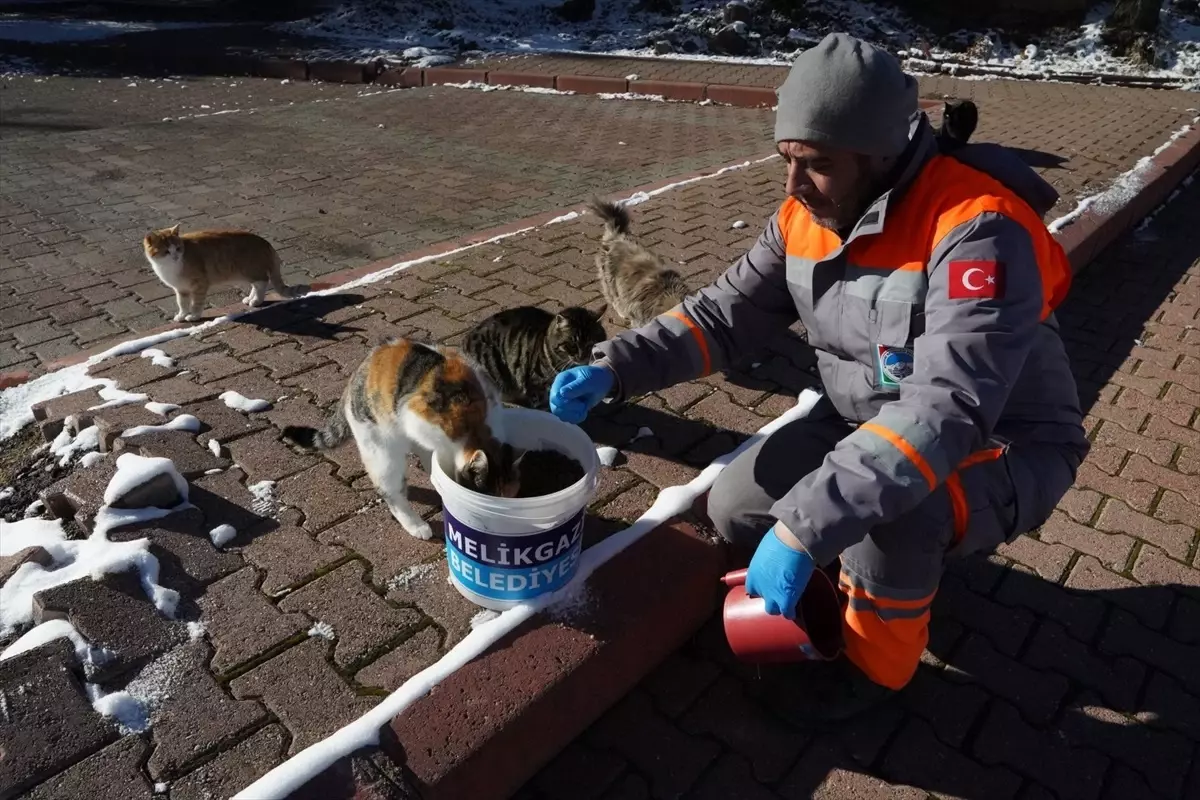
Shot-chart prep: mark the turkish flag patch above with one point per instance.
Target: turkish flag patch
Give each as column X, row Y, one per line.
column 970, row 279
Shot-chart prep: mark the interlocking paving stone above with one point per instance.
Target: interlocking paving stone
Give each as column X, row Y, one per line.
column 195, row 715
column 48, row 723
column 303, row 691
column 320, row 497
column 241, row 623
column 234, row 769
column 183, row 547
column 265, row 458
column 113, row 773
column 112, row 612
column 224, row 499
column 426, row 586
column 191, row 459
column 362, row 621
column 408, row 658
column 285, row 554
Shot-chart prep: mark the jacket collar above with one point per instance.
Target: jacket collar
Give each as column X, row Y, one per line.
column 922, row 146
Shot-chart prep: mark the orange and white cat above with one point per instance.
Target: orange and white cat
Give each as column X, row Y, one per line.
column 193, row 263
column 432, row 401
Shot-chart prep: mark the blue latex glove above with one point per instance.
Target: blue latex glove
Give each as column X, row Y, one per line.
column 778, row 574
column 577, row 390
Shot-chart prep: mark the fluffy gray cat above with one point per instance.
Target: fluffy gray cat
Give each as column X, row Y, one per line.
column 636, row 283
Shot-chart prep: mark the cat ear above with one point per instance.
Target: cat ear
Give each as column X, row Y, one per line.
column 174, row 230
column 561, row 322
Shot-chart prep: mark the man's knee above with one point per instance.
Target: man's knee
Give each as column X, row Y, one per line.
column 737, row 511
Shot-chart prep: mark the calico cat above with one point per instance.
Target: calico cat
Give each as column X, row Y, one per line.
column 636, row 283
column 408, row 396
column 959, row 120
column 522, row 349
column 192, row 263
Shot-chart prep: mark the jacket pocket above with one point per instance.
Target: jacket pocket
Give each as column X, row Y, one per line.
column 891, row 343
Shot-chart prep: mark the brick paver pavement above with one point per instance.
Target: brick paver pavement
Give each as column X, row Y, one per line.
column 1064, row 665
column 338, row 176
column 342, row 177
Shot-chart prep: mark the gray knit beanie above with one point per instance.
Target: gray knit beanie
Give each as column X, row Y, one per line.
column 847, row 93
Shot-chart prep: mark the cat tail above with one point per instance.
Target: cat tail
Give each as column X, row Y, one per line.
column 276, row 278
column 336, row 431
column 614, row 215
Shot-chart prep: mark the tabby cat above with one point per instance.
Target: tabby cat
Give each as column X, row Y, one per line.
column 522, row 349
column 192, row 263
column 636, row 283
column 408, row 396
column 959, row 120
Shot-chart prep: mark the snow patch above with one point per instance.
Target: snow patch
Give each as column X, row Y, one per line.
column 244, row 404
column 115, row 396
column 91, row 459
column 158, row 358
column 653, row 98
column 364, row 731
column 483, row 617
column 738, row 225
column 196, row 631
column 405, row 578
column 214, row 447
column 222, row 534
column 322, row 630
column 45, row 533
column 162, row 409
column 129, row 713
column 65, row 446
column 607, row 455
column 50, row 630
column 6, row 493
column 184, row 422
column 265, row 502
column 134, row 470
column 34, row 509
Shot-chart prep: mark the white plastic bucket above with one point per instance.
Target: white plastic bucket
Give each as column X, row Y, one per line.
column 503, row 551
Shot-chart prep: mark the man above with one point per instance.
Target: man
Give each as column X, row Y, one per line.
column 951, row 421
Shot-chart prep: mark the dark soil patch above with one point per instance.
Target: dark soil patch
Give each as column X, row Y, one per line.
column 546, row 472
column 27, row 469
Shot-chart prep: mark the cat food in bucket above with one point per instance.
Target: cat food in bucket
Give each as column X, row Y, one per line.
column 502, row 551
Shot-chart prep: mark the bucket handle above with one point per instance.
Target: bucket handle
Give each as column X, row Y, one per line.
column 735, row 578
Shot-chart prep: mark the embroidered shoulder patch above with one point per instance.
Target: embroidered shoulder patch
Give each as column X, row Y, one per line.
column 970, row 279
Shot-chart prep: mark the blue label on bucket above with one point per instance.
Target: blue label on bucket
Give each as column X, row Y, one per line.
column 513, row 567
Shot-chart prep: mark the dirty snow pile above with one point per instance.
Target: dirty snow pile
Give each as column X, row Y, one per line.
column 426, row 34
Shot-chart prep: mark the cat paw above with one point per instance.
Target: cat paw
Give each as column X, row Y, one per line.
column 418, row 529
column 192, row 318
column 178, row 317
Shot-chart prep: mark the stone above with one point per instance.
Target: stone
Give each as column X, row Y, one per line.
column 322, row 498
column 234, row 769
column 113, row 613
column 735, row 12
column 287, row 554
column 303, row 691
column 113, row 773
column 158, row 492
column 224, row 500
column 48, row 723
column 49, row 414
column 184, row 549
column 376, row 536
column 29, row 555
column 241, row 623
column 194, row 715
column 362, row 621
column 426, row 586
column 191, row 459
column 264, row 457
column 392, row 669
column 223, row 423
column 366, row 774
column 112, row 422
column 80, row 495
column 731, row 40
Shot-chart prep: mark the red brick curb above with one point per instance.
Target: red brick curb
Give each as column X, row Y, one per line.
column 490, row 726
column 1095, row 229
